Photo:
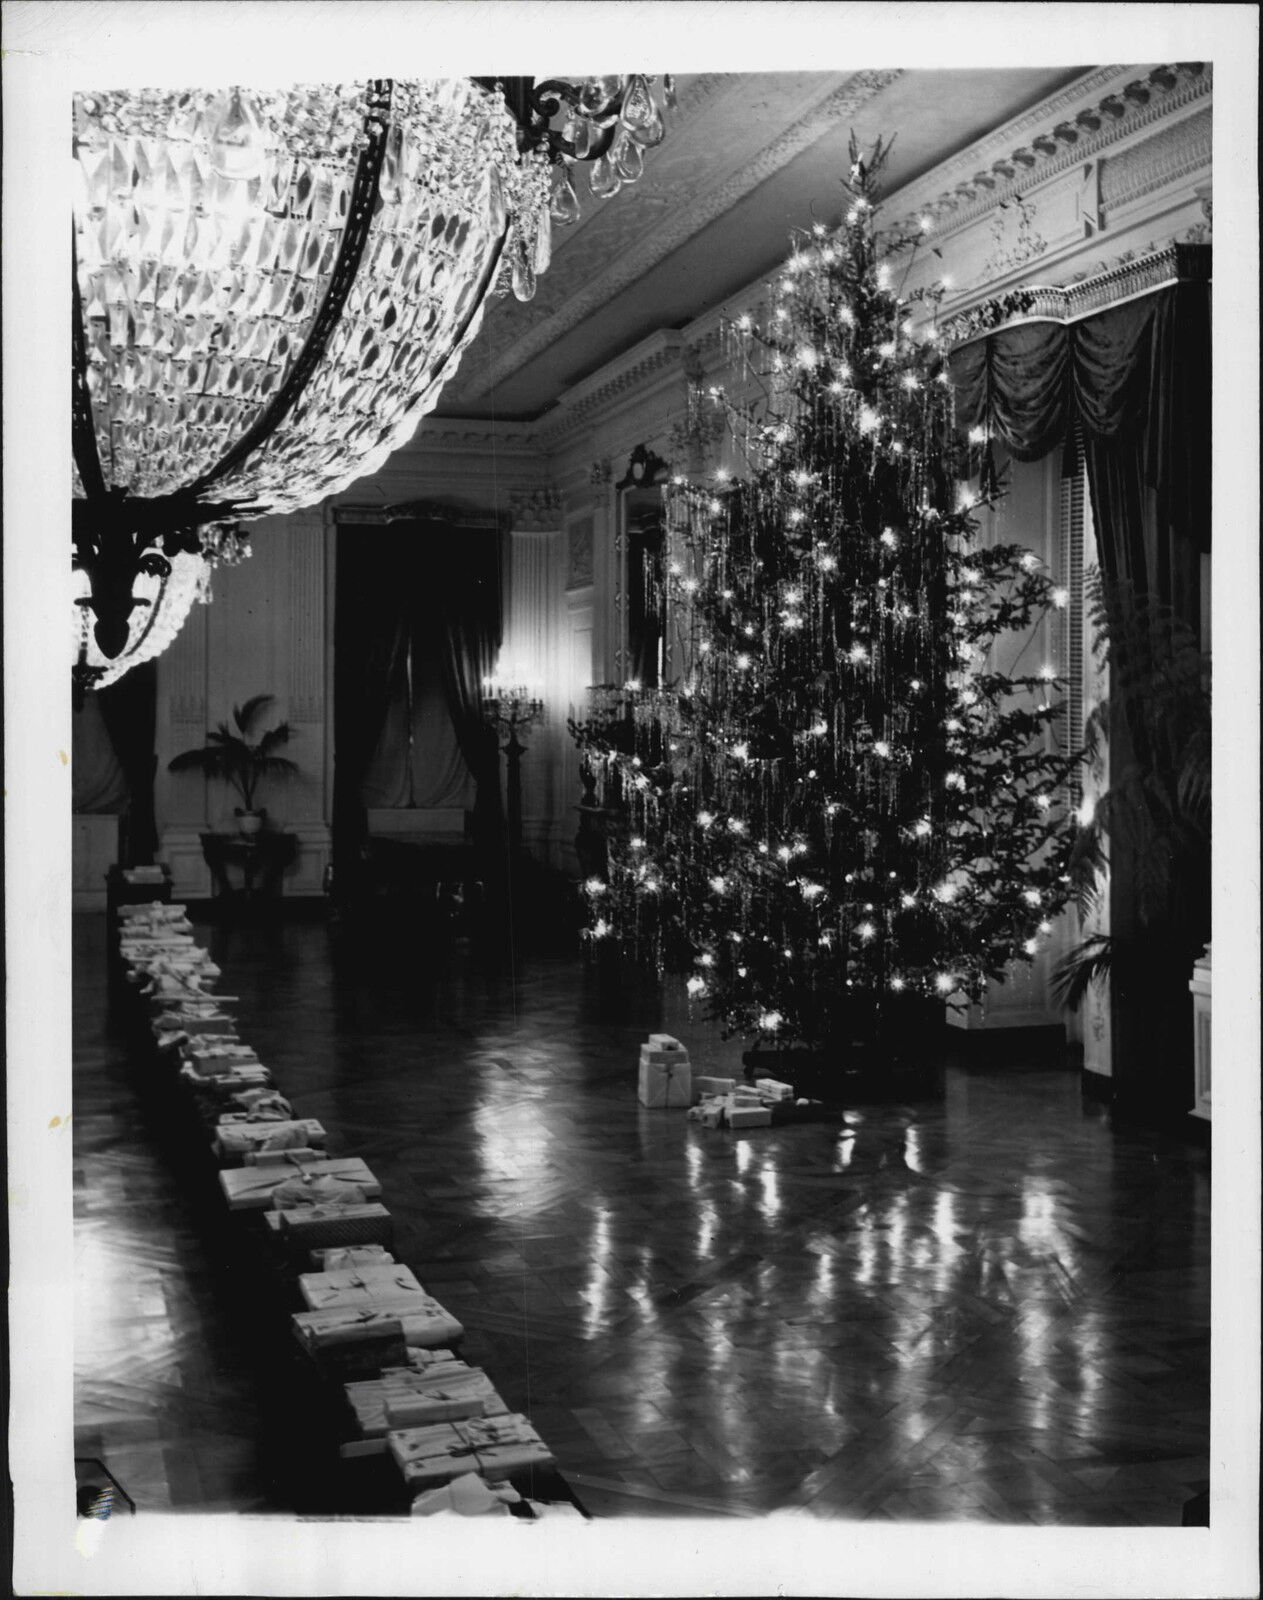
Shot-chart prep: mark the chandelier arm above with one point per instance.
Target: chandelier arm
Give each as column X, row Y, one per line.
column 350, row 251
column 82, row 426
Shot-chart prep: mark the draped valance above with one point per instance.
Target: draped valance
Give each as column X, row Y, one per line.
column 1134, row 380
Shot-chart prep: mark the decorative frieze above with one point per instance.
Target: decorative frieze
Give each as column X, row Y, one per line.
column 1052, row 148
column 535, row 510
column 1169, row 155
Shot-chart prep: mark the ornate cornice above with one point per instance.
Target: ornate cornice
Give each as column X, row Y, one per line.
column 1165, row 157
column 1036, row 147
column 573, row 294
column 1124, row 280
column 658, row 353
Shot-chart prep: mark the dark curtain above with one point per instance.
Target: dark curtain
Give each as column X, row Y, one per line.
column 1134, row 381
column 375, row 579
column 460, row 608
column 129, row 708
column 439, row 581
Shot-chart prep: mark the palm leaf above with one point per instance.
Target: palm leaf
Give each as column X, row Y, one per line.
column 244, row 715
column 1080, row 968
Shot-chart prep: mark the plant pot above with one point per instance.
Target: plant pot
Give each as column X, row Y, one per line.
column 250, row 822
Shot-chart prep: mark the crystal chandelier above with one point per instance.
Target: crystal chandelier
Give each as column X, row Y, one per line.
column 271, row 289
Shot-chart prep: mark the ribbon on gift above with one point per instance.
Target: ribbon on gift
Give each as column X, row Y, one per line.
column 290, row 1159
column 332, row 1295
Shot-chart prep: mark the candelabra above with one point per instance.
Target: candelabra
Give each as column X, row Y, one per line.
column 511, row 709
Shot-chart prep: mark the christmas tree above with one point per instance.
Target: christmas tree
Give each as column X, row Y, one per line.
column 833, row 804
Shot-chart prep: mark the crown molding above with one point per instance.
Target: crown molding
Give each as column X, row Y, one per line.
column 641, row 240
column 1100, row 110
column 661, row 351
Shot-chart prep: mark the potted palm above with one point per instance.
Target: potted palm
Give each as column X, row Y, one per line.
column 240, row 758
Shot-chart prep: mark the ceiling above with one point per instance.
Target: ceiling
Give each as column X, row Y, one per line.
column 747, row 158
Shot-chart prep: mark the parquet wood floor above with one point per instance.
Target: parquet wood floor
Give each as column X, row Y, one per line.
column 993, row 1306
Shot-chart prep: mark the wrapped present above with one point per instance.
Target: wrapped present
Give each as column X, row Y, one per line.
column 424, row 1361
column 772, row 1090
column 705, row 1086
column 244, row 1075
column 236, row 1139
column 468, row 1394
column 350, row 1255
column 664, row 1041
column 177, row 1024
column 467, row 1496
column 493, row 1446
column 399, row 1385
column 298, row 1181
column 260, row 1105
column 738, row 1115
column 358, row 1345
column 423, row 1320
column 664, row 1078
column 353, row 1286
column 712, row 1113
column 305, row 1227
column 303, row 1152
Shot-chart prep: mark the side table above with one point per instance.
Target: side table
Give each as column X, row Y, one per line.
column 262, row 858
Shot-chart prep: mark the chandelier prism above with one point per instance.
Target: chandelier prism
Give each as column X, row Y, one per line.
column 271, row 289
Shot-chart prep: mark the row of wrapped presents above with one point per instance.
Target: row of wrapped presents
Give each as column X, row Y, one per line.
column 368, row 1323
column 666, row 1079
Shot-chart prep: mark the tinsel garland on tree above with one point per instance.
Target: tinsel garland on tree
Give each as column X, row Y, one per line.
column 833, row 799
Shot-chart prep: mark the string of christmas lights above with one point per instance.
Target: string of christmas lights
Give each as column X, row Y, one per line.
column 834, row 801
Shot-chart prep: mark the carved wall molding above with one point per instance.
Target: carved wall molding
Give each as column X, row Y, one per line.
column 1057, row 145
column 1133, row 275
column 570, row 293
column 579, row 544
column 535, row 510
column 184, row 669
column 306, row 579
column 1167, row 156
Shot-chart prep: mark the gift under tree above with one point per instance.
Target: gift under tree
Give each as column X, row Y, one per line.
column 834, row 805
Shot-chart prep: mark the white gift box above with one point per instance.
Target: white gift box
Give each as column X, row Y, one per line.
column 705, row 1085
column 350, row 1255
column 258, row 1188
column 664, row 1085
column 236, row 1139
column 772, row 1089
column 665, row 1041
column 330, row 1225
column 353, row 1286
column 423, row 1320
column 492, row 1446
column 739, row 1115
column 467, row 1394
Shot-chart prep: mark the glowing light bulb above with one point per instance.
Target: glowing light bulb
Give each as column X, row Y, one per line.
column 911, row 381
column 770, row 1021
column 921, row 827
column 705, row 818
column 858, row 653
column 696, row 987
column 819, row 728
column 784, row 852
column 632, row 684
column 945, row 893
column 866, row 931
column 743, row 661
column 1029, row 561
column 744, row 322
column 889, row 538
column 1031, row 946
column 706, row 960
column 827, row 563
column 945, row 983
column 1086, row 811
column 812, row 891
column 806, row 357
column 1047, row 673
column 896, row 984
column 600, row 929
column 1031, row 896
column 1045, row 927
column 1043, row 802
column 977, row 436
column 636, row 844
column 868, row 419
column 594, row 886
column 1060, row 597
column 741, row 751
column 881, row 747
column 907, row 901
